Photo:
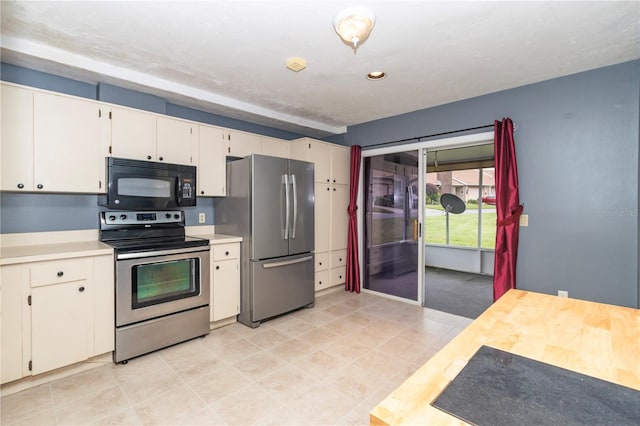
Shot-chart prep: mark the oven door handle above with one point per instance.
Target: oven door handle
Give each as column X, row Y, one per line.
column 137, row 255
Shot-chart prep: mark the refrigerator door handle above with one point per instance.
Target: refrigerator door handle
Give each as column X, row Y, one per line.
column 295, row 206
column 287, row 262
column 285, row 182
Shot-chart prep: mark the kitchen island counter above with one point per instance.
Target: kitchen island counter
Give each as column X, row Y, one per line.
column 594, row 339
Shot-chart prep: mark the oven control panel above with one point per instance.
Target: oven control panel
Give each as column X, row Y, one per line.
column 141, row 218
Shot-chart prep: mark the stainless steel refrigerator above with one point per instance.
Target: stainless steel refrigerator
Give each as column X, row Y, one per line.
column 270, row 203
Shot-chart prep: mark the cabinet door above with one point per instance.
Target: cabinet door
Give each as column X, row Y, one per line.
column 226, row 289
column 66, row 144
column 322, row 216
column 16, row 152
column 12, row 307
column 340, row 165
column 300, row 149
column 175, row 141
column 61, row 325
column 242, row 144
column 320, row 153
column 133, row 134
column 339, row 217
column 275, row 147
column 212, row 151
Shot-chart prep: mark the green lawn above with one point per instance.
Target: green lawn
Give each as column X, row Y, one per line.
column 463, row 229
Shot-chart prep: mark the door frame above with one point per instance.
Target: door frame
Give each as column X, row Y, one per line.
column 420, row 146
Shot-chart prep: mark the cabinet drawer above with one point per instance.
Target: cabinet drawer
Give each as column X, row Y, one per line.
column 338, row 258
column 322, row 261
column 321, row 280
column 226, row 251
column 59, row 271
column 338, row 275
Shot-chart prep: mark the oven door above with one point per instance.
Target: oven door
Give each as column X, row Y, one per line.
column 154, row 284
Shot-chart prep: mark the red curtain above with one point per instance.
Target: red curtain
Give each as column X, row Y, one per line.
column 352, row 282
column 508, row 208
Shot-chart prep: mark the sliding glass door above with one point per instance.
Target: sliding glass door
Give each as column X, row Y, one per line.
column 392, row 227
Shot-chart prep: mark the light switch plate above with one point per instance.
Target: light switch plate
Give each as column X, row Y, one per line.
column 202, row 218
column 524, row 220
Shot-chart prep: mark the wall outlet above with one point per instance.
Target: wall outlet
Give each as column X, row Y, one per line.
column 563, row 293
column 202, row 218
column 524, row 220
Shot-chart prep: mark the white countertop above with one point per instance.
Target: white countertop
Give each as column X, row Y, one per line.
column 30, row 252
column 38, row 252
column 219, row 238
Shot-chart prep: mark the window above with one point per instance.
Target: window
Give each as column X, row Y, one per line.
column 474, row 227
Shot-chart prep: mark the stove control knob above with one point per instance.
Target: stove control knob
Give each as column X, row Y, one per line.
column 167, row 215
column 123, row 216
column 176, row 216
column 112, row 218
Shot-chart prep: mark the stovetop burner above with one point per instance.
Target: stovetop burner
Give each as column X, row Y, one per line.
column 131, row 231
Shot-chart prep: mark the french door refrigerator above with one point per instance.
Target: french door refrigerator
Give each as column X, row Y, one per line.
column 270, row 204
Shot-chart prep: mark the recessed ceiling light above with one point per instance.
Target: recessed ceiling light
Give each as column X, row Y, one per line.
column 376, row 75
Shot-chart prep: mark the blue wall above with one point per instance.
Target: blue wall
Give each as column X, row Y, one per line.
column 577, row 146
column 21, row 212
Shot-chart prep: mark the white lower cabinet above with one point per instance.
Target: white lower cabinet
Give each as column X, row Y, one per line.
column 61, row 325
column 321, row 270
column 225, row 281
column 12, row 297
column 56, row 313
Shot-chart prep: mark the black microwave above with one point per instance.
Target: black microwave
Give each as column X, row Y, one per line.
column 148, row 185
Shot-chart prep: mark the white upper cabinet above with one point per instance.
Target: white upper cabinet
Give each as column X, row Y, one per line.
column 17, row 139
column 212, row 151
column 133, row 134
column 241, row 144
column 275, row 147
column 331, row 161
column 175, row 141
column 66, row 135
column 146, row 136
column 340, row 165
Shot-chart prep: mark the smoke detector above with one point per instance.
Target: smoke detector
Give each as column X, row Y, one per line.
column 296, row 64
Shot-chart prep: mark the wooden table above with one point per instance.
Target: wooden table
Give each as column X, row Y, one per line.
column 595, row 339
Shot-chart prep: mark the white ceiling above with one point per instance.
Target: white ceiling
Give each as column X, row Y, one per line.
column 228, row 57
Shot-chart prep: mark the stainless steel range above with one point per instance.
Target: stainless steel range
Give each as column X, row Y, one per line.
column 162, row 280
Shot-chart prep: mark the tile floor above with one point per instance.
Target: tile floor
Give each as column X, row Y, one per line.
column 329, row 365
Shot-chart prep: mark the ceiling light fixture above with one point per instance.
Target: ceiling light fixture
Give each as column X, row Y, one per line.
column 354, row 25
column 376, row 75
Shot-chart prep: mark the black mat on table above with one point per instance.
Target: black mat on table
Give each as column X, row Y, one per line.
column 500, row 388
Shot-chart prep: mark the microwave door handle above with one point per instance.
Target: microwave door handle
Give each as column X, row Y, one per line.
column 285, row 182
column 178, row 191
column 295, row 206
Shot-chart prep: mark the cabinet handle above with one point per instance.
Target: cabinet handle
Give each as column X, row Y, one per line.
column 160, row 158
column 226, row 253
column 60, row 273
column 40, row 186
column 328, row 180
column 340, row 276
column 20, row 185
column 334, row 189
column 320, row 282
column 340, row 259
column 217, row 267
column 320, row 263
column 148, row 157
column 202, row 192
column 334, row 181
column 328, row 189
column 81, row 289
